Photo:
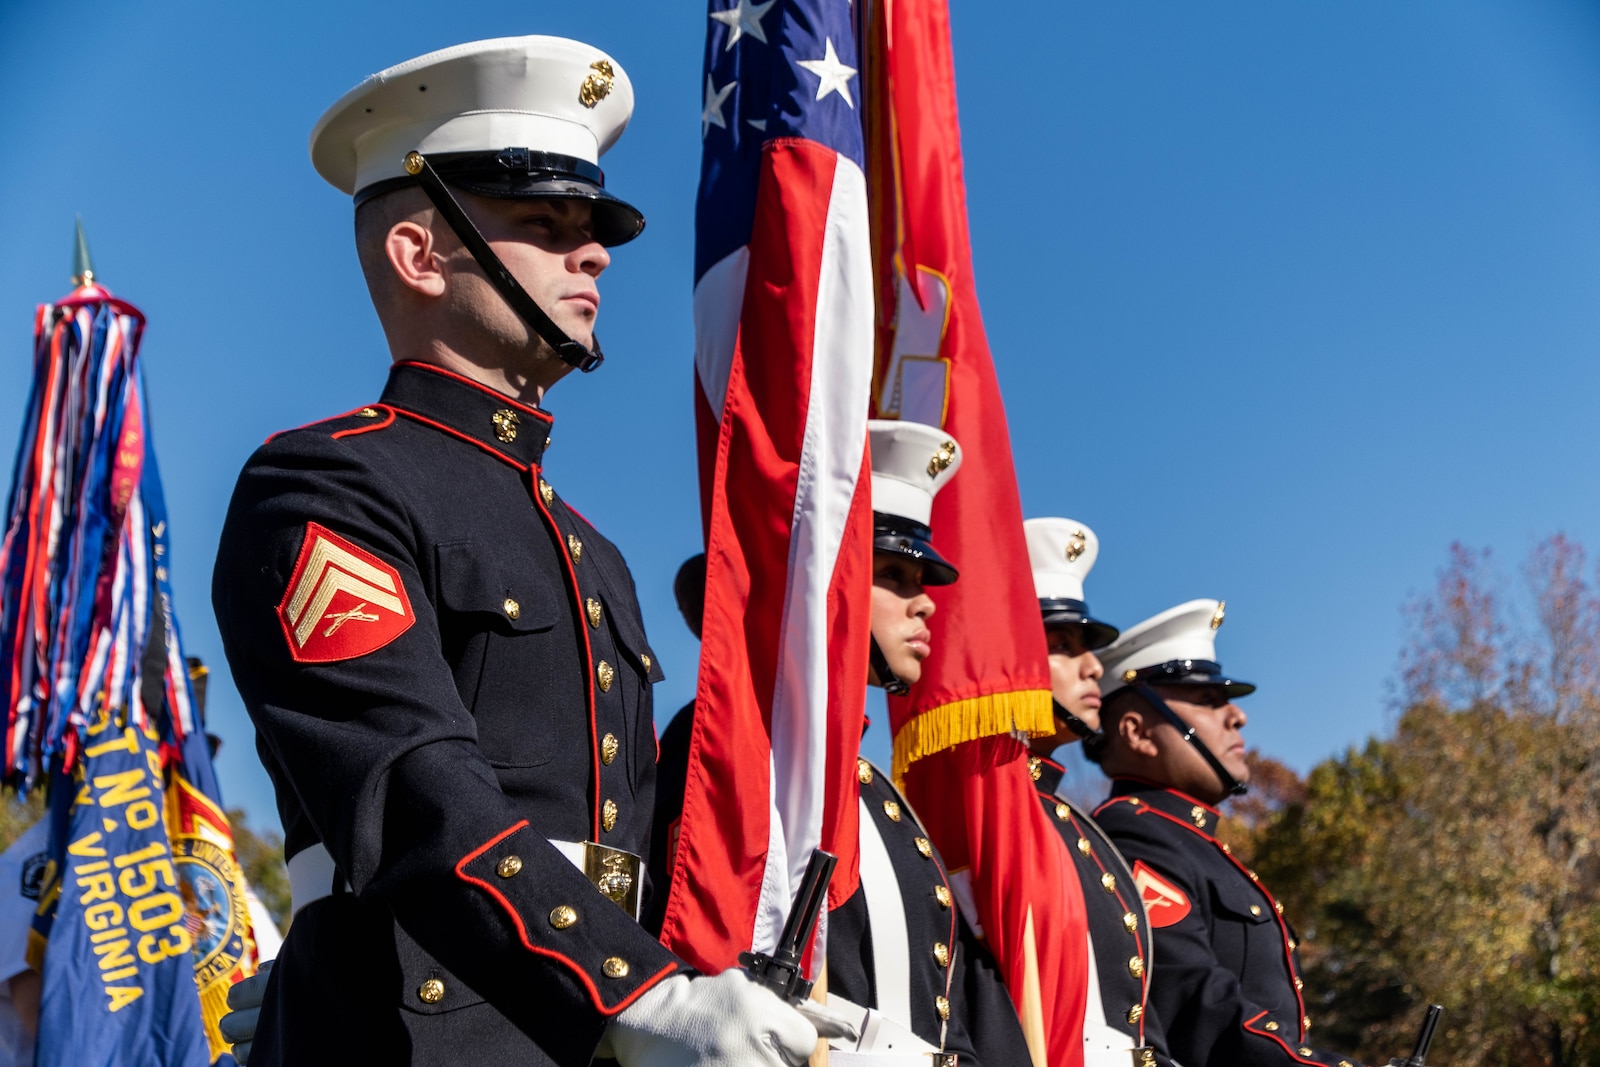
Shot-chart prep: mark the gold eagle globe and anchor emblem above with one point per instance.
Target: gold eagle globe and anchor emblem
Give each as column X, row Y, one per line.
column 942, row 459
column 597, row 86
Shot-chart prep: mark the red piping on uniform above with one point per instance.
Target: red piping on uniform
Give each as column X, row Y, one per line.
column 388, row 420
column 1268, row 1034
column 522, row 931
column 1157, row 785
column 548, row 418
column 317, row 422
column 583, row 631
column 1094, row 854
column 1283, row 927
column 442, row 428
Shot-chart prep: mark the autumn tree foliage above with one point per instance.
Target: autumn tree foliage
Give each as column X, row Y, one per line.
column 1458, row 861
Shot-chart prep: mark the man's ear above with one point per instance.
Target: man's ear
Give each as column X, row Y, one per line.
column 1134, row 731
column 410, row 250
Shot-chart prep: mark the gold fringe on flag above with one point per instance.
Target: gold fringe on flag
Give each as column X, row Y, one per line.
column 1021, row 711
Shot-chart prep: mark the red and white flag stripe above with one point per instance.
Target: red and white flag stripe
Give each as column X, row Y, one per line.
column 785, row 335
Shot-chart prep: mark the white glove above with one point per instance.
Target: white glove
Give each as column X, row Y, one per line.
column 722, row 1021
column 239, row 1025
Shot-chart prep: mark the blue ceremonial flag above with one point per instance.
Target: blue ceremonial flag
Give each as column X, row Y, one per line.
column 142, row 925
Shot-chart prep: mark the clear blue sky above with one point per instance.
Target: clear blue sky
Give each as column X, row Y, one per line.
column 1284, row 297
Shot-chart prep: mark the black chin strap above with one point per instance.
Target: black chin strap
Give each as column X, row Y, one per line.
column 571, row 352
column 1231, row 786
column 891, row 682
column 1081, row 729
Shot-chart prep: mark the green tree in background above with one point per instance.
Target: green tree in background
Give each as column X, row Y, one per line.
column 1456, row 861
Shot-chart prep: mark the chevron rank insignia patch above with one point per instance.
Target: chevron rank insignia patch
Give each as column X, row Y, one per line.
column 342, row 601
column 1164, row 902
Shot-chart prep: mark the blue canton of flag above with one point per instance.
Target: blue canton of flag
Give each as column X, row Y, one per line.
column 778, row 68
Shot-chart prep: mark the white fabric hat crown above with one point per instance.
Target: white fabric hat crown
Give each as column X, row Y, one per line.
column 546, row 94
column 1186, row 632
column 1062, row 553
column 911, row 462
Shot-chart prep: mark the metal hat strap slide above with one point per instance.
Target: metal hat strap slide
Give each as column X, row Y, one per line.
column 892, row 683
column 1231, row 786
column 571, row 352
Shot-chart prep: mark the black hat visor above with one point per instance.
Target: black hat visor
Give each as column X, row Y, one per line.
column 1061, row 611
column 522, row 174
column 1196, row 673
column 900, row 536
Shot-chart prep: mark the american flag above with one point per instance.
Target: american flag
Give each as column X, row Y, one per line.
column 783, row 367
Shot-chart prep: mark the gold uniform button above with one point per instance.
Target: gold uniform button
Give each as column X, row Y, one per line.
column 1298, row 985
column 1136, row 966
column 942, row 1006
column 509, row 866
column 1130, row 675
column 1063, row 812
column 1130, row 922
column 431, row 991
column 1226, row 851
column 1293, row 944
column 1198, row 814
column 1272, row 1025
column 863, row 771
column 605, row 674
column 1135, row 1013
column 942, row 895
column 1108, row 882
column 925, row 847
column 575, row 546
column 892, row 809
column 1346, row 1063
column 644, row 658
column 615, row 967
column 1305, row 1051
column 1254, row 877
column 1255, row 909
column 1035, row 768
column 1305, row 1022
column 593, row 607
column 608, row 749
column 1277, row 907
column 368, row 413
column 513, row 609
column 608, row 816
column 941, row 953
column 547, row 494
column 1084, row 846
column 563, row 916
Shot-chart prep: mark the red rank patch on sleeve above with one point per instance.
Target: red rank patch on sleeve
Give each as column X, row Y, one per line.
column 1165, row 903
column 342, row 601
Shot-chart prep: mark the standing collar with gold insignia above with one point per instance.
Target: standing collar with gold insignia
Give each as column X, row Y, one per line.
column 462, row 408
column 1179, row 807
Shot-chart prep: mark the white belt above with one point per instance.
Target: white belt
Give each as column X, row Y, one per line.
column 1103, row 1044
column 312, row 874
column 883, row 1041
column 886, row 922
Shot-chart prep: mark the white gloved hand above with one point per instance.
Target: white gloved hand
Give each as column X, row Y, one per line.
column 721, row 1021
column 244, row 1000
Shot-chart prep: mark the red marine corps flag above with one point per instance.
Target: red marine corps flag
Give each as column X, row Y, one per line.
column 783, row 368
column 955, row 733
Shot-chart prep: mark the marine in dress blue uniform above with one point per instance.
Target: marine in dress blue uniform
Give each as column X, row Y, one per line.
column 446, row 665
column 1226, row 978
column 1119, row 1025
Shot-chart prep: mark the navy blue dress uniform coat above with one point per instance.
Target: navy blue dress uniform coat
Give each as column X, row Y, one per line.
column 447, row 671
column 1226, row 981
column 1119, row 930
column 957, row 1000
